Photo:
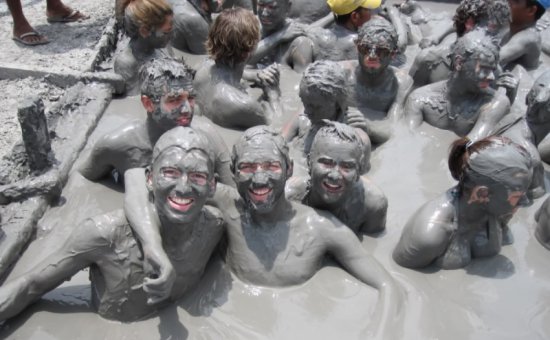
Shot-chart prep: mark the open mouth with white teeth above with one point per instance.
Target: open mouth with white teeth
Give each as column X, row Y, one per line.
column 260, row 194
column 180, row 203
column 333, row 187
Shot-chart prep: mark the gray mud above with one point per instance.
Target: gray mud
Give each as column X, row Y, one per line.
column 505, row 297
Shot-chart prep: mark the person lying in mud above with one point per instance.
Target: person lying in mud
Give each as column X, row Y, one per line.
column 378, row 89
column 192, row 20
column 148, row 24
column 276, row 242
column 220, row 94
column 168, row 97
column 522, row 44
column 465, row 104
column 323, row 91
column 179, row 181
column 468, row 221
column 433, row 64
column 335, row 183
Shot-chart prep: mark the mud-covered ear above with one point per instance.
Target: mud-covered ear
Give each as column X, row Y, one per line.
column 144, row 32
column 149, row 179
column 290, row 169
column 479, row 194
column 147, row 103
column 212, row 186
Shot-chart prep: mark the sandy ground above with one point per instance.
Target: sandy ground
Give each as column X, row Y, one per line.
column 504, row 297
column 72, row 48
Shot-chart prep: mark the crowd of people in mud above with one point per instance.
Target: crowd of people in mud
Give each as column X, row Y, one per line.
column 281, row 215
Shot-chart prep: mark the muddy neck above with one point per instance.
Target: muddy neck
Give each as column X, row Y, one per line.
column 268, row 32
column 141, row 49
column 230, row 73
column 276, row 215
column 154, row 131
column 175, row 234
column 469, row 215
column 372, row 78
column 515, row 28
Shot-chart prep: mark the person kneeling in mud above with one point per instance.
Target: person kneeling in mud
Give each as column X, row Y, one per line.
column 276, row 242
column 179, row 181
column 335, row 183
column 168, row 97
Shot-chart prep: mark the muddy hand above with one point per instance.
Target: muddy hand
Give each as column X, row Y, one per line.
column 161, row 276
column 269, row 76
column 356, row 119
column 293, row 31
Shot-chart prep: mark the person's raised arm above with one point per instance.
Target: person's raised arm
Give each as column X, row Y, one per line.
column 348, row 251
column 146, row 225
column 290, row 32
column 400, row 27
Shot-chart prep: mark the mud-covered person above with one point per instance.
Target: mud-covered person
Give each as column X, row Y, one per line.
column 465, row 104
column 278, row 33
column 148, row 24
column 324, row 92
column 378, row 90
column 168, row 97
column 522, row 44
column 192, row 20
column 469, row 220
column 179, row 181
column 335, row 183
column 232, row 39
column 538, row 114
column 276, row 242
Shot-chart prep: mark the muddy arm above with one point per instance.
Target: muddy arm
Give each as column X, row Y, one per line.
column 96, row 165
column 414, row 110
column 267, row 44
column 74, row 255
column 517, row 46
column 400, row 27
column 144, row 221
column 404, row 88
column 490, row 115
column 349, row 252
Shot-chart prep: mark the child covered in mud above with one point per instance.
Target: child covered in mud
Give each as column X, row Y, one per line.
column 465, row 104
column 168, row 97
column 469, row 220
column 324, row 93
column 335, row 183
column 275, row 242
column 378, row 90
column 179, row 181
column 231, row 41
column 148, row 23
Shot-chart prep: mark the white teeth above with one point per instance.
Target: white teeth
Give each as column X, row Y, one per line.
column 332, row 186
column 180, row 200
column 261, row 191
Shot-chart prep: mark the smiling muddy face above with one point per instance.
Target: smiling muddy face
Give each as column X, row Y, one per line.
column 182, row 175
column 261, row 168
column 175, row 107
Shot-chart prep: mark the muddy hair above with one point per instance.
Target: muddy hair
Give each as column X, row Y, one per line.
column 342, row 132
column 499, row 10
column 375, row 29
column 462, row 151
column 472, row 44
column 264, row 132
column 478, row 10
column 149, row 14
column 158, row 72
column 326, row 78
column 233, row 36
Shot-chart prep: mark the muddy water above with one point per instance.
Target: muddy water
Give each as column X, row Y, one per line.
column 504, row 297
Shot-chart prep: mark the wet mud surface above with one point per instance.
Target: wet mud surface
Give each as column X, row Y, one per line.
column 503, row 297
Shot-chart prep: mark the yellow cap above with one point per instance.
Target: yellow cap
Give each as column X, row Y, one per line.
column 342, row 7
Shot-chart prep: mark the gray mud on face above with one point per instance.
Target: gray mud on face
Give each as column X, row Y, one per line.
column 503, row 297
